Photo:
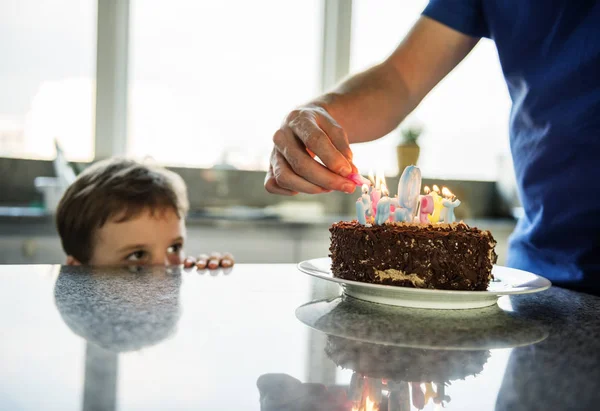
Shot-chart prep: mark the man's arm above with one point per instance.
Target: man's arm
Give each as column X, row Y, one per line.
column 365, row 107
column 372, row 103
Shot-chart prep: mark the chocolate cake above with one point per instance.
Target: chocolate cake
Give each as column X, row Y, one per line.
column 441, row 256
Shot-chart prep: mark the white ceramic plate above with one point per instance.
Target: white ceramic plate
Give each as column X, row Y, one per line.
column 508, row 281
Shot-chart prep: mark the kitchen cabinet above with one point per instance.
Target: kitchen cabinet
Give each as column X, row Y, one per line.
column 31, row 249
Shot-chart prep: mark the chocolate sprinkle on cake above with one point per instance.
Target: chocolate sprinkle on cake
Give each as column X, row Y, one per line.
column 441, row 256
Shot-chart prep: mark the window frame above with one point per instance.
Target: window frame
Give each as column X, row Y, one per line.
column 112, row 82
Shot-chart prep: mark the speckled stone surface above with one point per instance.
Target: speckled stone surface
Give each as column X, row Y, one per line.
column 267, row 337
column 122, row 310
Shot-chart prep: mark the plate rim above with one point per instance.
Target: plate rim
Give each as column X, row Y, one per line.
column 481, row 293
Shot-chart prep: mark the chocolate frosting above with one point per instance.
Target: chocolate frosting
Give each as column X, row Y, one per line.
column 444, row 256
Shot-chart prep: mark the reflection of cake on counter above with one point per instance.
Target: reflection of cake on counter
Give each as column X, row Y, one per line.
column 410, row 356
column 411, row 240
column 405, row 364
column 372, row 394
column 389, row 377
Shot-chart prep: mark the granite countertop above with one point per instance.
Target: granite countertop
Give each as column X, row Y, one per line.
column 267, row 337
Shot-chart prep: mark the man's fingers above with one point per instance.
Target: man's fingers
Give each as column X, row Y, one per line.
column 337, row 135
column 284, row 174
column 311, row 155
column 288, row 179
column 306, row 167
column 305, row 127
column 272, row 187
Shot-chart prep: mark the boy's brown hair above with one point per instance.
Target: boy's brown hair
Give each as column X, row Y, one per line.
column 117, row 190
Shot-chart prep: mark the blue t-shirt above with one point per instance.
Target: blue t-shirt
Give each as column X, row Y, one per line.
column 550, row 57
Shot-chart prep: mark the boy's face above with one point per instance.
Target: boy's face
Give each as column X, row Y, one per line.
column 146, row 239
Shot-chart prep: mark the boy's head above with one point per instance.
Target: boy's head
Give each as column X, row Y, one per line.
column 122, row 212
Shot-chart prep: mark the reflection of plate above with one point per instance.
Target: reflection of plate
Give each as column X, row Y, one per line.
column 509, row 281
column 484, row 329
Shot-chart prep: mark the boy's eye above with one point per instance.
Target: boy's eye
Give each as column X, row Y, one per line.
column 137, row 255
column 175, row 248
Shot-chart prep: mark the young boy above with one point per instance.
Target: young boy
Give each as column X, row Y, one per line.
column 122, row 212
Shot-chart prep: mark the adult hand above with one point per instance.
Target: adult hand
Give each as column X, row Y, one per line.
column 306, row 133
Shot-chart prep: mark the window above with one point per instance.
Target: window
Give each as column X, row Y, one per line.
column 210, row 82
column 465, row 118
column 47, row 50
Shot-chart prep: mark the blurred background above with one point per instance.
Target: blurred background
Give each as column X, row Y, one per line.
column 201, row 86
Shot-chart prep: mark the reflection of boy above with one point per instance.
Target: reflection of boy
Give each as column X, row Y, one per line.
column 121, row 212
column 122, row 313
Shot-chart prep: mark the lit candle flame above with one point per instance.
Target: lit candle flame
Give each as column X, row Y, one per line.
column 427, row 190
column 384, row 190
column 370, row 405
column 379, row 179
column 448, row 194
column 436, row 189
column 366, row 403
column 372, row 178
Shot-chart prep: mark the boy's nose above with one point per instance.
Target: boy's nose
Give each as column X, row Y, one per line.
column 167, row 259
column 160, row 259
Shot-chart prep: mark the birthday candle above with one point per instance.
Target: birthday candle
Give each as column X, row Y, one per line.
column 409, row 187
column 429, row 393
column 363, row 205
column 360, row 212
column 375, row 196
column 450, row 202
column 358, row 179
column 383, row 207
column 425, row 209
column 376, row 191
column 437, row 205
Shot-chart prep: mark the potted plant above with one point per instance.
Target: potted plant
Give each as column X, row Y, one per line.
column 408, row 150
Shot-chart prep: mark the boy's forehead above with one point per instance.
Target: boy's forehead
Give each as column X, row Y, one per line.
column 128, row 213
column 141, row 227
